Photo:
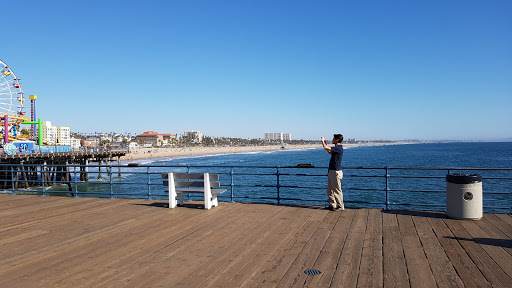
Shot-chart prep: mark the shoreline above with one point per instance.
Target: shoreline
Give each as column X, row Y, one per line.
column 158, row 153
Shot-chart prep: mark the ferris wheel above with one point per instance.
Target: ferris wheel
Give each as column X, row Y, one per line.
column 11, row 95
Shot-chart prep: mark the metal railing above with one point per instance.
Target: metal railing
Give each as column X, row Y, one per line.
column 64, row 149
column 377, row 187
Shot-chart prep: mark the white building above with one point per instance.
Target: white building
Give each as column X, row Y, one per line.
column 75, row 143
column 49, row 132
column 197, row 136
column 64, row 135
column 278, row 136
column 54, row 134
column 133, row 146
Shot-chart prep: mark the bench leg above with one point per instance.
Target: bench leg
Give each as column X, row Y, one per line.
column 172, row 191
column 207, row 202
column 207, row 192
column 180, row 199
column 215, row 202
column 172, row 199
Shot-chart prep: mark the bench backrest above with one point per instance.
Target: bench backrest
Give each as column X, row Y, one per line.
column 198, row 180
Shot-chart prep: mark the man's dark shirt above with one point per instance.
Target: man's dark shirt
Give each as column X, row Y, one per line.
column 336, row 157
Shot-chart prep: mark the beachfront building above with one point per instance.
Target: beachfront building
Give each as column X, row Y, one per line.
column 278, row 136
column 75, row 143
column 49, row 133
column 133, row 146
column 64, row 135
column 154, row 138
column 56, row 135
column 195, row 136
column 90, row 142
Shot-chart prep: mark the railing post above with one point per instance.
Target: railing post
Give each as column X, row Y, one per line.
column 188, row 171
column 110, row 182
column 387, row 188
column 76, row 185
column 232, row 185
column 43, row 177
column 278, row 186
column 149, row 184
column 12, row 181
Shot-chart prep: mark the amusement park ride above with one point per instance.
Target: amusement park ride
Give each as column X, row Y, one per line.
column 13, row 115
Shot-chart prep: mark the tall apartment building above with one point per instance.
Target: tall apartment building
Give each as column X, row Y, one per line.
column 49, row 132
column 197, row 136
column 64, row 135
column 278, row 136
column 54, row 134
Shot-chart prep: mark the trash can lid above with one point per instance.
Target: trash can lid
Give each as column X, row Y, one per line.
column 463, row 178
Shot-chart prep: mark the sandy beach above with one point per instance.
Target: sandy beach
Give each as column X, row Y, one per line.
column 149, row 153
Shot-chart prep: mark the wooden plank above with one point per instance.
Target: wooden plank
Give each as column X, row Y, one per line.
column 370, row 273
column 469, row 274
column 505, row 217
column 61, row 229
column 306, row 259
column 492, row 271
column 248, row 240
column 442, row 269
column 280, row 264
column 493, row 247
column 98, row 251
column 191, row 176
column 348, row 267
column 417, row 264
column 8, row 201
column 60, row 244
column 191, row 250
column 257, row 251
column 175, row 251
column 244, row 268
column 394, row 266
column 500, row 224
column 330, row 254
column 251, row 273
column 42, row 207
column 495, row 234
column 192, row 184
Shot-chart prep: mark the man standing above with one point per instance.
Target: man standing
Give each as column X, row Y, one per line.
column 335, row 174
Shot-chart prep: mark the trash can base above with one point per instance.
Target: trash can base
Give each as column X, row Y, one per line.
column 462, row 218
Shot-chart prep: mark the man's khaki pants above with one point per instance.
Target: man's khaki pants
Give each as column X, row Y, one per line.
column 334, row 189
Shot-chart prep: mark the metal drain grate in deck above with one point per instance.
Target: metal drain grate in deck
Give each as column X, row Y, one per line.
column 312, row 272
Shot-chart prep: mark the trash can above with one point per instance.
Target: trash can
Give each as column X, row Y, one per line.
column 464, row 198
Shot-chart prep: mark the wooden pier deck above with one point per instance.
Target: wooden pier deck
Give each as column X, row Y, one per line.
column 91, row 242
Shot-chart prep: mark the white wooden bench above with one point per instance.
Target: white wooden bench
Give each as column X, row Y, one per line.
column 180, row 183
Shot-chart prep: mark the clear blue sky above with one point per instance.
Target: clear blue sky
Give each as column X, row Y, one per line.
column 366, row 69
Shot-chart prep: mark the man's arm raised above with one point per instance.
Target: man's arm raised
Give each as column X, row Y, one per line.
column 324, row 144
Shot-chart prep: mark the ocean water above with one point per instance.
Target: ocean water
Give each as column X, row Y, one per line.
column 364, row 183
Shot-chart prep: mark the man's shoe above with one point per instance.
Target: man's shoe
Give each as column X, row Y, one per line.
column 329, row 207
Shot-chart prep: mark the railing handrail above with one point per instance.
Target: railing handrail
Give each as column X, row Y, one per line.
column 271, row 167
